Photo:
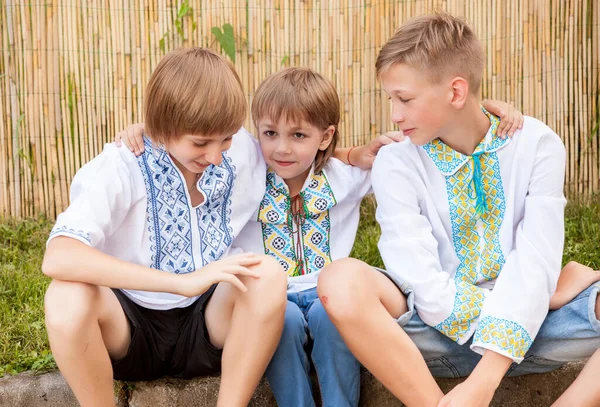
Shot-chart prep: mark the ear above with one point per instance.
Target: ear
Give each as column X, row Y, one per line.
column 327, row 138
column 460, row 92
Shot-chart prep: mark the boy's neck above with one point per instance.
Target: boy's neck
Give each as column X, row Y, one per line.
column 469, row 126
column 295, row 184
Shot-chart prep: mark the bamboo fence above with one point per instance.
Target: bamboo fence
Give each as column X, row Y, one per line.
column 72, row 73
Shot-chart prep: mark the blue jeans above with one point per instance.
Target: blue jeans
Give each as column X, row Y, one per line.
column 338, row 371
column 569, row 333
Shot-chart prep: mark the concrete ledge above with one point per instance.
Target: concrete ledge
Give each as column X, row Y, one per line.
column 50, row 390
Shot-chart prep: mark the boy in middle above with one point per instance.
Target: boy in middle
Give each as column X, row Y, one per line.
column 472, row 236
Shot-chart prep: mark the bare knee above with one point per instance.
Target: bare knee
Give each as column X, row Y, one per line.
column 69, row 306
column 341, row 286
column 269, row 291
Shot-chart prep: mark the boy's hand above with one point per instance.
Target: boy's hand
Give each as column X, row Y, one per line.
column 478, row 390
column 573, row 279
column 510, row 118
column 226, row 270
column 468, row 394
column 132, row 137
column 364, row 156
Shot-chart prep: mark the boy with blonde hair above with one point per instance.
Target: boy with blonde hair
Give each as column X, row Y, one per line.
column 157, row 229
column 472, row 236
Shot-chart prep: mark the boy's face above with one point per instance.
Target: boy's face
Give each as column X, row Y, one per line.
column 420, row 108
column 195, row 153
column 290, row 148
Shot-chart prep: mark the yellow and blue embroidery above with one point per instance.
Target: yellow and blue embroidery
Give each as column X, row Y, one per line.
column 477, row 205
column 275, row 216
column 506, row 335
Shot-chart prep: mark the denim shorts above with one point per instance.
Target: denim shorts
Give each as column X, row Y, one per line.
column 568, row 334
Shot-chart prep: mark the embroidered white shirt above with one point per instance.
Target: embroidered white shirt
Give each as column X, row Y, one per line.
column 331, row 214
column 478, row 238
column 139, row 210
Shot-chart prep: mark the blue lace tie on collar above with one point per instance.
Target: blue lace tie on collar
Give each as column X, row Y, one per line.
column 481, row 200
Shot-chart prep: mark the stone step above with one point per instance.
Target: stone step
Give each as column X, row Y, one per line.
column 51, row 390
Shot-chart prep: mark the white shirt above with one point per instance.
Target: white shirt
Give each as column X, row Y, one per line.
column 489, row 275
column 331, row 214
column 138, row 209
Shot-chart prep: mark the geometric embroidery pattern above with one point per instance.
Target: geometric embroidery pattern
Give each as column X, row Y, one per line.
column 275, row 216
column 467, row 307
column 70, row 231
column 506, row 335
column 168, row 212
column 476, row 235
column 216, row 234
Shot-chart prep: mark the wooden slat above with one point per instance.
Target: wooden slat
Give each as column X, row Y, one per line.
column 74, row 72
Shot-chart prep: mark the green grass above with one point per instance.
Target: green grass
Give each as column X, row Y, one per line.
column 23, row 341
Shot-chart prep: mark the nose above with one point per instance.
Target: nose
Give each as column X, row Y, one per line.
column 283, row 146
column 214, row 155
column 397, row 113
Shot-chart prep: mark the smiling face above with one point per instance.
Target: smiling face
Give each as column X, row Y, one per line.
column 193, row 153
column 420, row 107
column 290, row 147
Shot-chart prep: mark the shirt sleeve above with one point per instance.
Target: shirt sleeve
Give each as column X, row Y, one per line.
column 410, row 250
column 518, row 304
column 356, row 180
column 101, row 195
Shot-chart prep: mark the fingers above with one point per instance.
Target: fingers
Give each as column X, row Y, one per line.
column 118, row 138
column 236, row 282
column 396, row 136
column 510, row 117
column 241, row 270
column 493, row 107
column 517, row 122
column 138, row 141
column 243, row 259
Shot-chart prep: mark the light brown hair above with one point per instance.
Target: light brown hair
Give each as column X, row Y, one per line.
column 438, row 44
column 193, row 91
column 300, row 94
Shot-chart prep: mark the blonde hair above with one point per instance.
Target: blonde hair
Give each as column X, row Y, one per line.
column 438, row 44
column 193, row 91
column 300, row 94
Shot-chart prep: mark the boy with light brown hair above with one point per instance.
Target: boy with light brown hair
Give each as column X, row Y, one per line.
column 472, row 236
column 144, row 283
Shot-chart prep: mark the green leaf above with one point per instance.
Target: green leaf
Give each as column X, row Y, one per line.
column 183, row 10
column 226, row 39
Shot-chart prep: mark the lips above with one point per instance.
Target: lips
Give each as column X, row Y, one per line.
column 284, row 163
column 407, row 132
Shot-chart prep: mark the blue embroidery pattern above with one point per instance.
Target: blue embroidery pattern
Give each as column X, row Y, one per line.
column 506, row 335
column 275, row 215
column 213, row 216
column 168, row 213
column 475, row 232
column 70, row 231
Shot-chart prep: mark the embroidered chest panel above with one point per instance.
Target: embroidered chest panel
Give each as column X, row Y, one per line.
column 168, row 212
column 477, row 204
column 312, row 252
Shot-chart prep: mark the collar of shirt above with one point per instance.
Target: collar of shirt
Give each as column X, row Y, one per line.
column 316, row 195
column 449, row 161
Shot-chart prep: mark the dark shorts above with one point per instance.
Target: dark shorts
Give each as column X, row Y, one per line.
column 173, row 342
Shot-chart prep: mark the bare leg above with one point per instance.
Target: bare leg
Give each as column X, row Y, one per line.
column 364, row 304
column 86, row 326
column 573, row 279
column 247, row 326
column 585, row 390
